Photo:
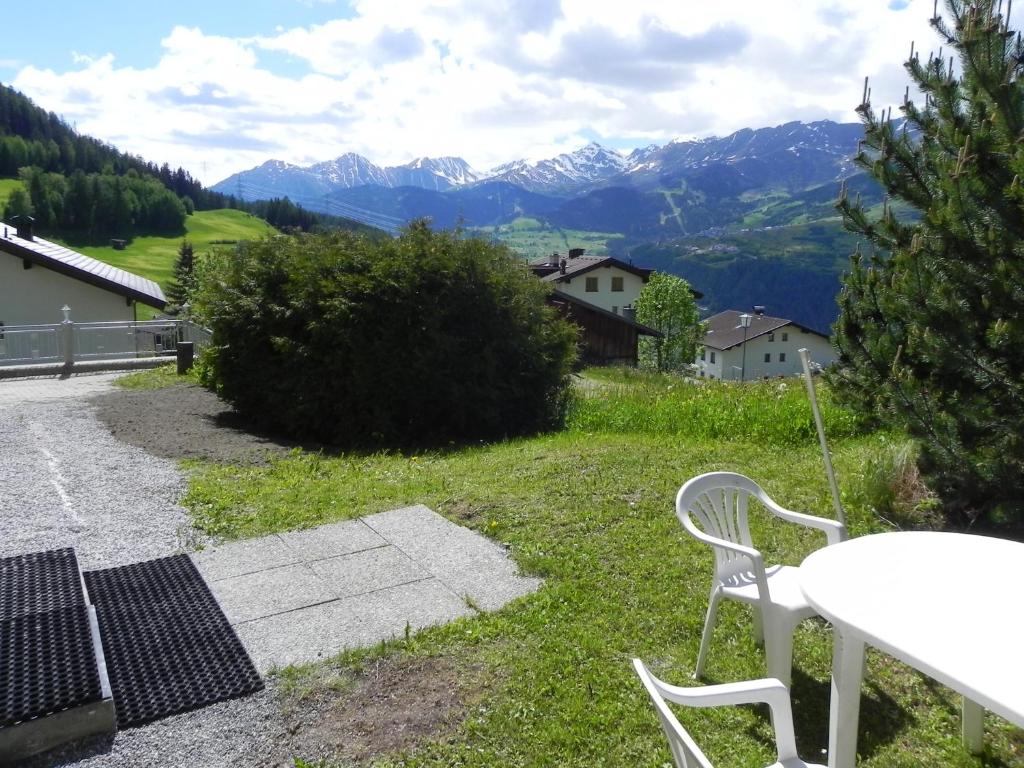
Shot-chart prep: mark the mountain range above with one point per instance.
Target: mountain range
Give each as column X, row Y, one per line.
column 748, row 218
column 810, row 152
column 789, row 157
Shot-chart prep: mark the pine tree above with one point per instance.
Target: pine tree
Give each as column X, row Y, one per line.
column 931, row 329
column 183, row 282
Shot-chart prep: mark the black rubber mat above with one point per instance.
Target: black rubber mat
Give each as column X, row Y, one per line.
column 169, row 647
column 38, row 582
column 47, row 664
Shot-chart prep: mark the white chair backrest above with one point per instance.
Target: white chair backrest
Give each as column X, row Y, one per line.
column 718, row 502
column 685, row 751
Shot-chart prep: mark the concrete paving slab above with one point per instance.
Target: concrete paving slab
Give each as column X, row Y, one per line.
column 304, row 595
column 367, row 571
column 313, row 634
column 332, row 540
column 241, row 557
column 468, row 563
column 269, row 592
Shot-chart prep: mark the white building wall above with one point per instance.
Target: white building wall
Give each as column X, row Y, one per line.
column 604, row 297
column 35, row 296
column 729, row 363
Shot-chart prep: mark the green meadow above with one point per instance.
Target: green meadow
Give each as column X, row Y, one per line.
column 531, row 238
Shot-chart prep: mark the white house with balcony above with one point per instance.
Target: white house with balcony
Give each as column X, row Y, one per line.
column 749, row 346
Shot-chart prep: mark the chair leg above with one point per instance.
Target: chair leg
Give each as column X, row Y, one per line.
column 779, row 648
column 705, row 638
column 973, row 726
column 758, row 627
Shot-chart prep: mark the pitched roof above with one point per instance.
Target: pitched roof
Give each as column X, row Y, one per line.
column 558, row 296
column 725, row 332
column 580, row 264
column 81, row 267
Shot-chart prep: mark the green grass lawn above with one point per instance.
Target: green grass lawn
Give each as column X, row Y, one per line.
column 590, row 509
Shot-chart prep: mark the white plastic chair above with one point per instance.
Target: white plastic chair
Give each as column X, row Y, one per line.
column 684, row 749
column 713, row 508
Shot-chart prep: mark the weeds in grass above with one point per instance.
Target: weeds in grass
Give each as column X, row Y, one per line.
column 773, row 412
column 156, row 378
column 891, row 486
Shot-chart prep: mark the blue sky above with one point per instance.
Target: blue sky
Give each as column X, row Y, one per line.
column 220, row 86
column 133, row 30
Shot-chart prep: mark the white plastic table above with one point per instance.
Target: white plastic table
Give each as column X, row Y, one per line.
column 947, row 604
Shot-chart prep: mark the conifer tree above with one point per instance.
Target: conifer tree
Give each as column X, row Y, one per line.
column 931, row 328
column 184, row 276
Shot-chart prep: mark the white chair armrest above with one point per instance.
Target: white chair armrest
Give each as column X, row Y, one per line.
column 764, row 691
column 834, row 532
column 767, row 690
column 756, row 558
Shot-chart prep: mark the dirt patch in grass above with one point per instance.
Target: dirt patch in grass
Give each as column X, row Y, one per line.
column 184, row 421
column 392, row 705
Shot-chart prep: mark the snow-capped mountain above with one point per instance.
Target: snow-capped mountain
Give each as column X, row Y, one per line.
column 791, row 156
column 589, row 166
column 278, row 179
column 350, row 170
column 274, row 179
column 433, row 173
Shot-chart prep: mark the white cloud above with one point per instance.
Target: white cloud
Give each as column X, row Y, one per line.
column 488, row 81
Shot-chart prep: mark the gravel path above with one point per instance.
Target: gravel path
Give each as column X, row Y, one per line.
column 66, row 481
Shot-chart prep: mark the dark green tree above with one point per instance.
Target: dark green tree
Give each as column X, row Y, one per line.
column 183, row 281
column 18, row 204
column 931, row 330
column 667, row 304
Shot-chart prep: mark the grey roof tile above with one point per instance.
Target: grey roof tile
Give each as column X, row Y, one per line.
column 78, row 265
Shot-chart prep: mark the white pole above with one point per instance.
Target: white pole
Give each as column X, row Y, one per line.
column 806, row 360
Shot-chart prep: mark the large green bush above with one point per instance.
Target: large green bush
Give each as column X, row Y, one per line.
column 422, row 339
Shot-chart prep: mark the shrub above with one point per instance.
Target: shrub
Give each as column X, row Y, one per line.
column 418, row 340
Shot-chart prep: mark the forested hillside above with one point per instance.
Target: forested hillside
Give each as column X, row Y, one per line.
column 794, row 270
column 83, row 187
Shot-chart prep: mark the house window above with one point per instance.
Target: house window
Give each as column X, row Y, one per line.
column 617, row 285
column 782, row 356
column 712, row 357
column 615, row 309
column 767, row 357
column 785, row 336
column 771, row 337
column 703, row 354
column 591, row 285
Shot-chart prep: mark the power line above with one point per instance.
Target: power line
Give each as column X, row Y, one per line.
column 333, row 207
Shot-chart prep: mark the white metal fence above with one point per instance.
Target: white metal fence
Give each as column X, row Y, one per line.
column 71, row 342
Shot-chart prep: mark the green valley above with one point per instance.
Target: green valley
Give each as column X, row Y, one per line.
column 532, row 238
